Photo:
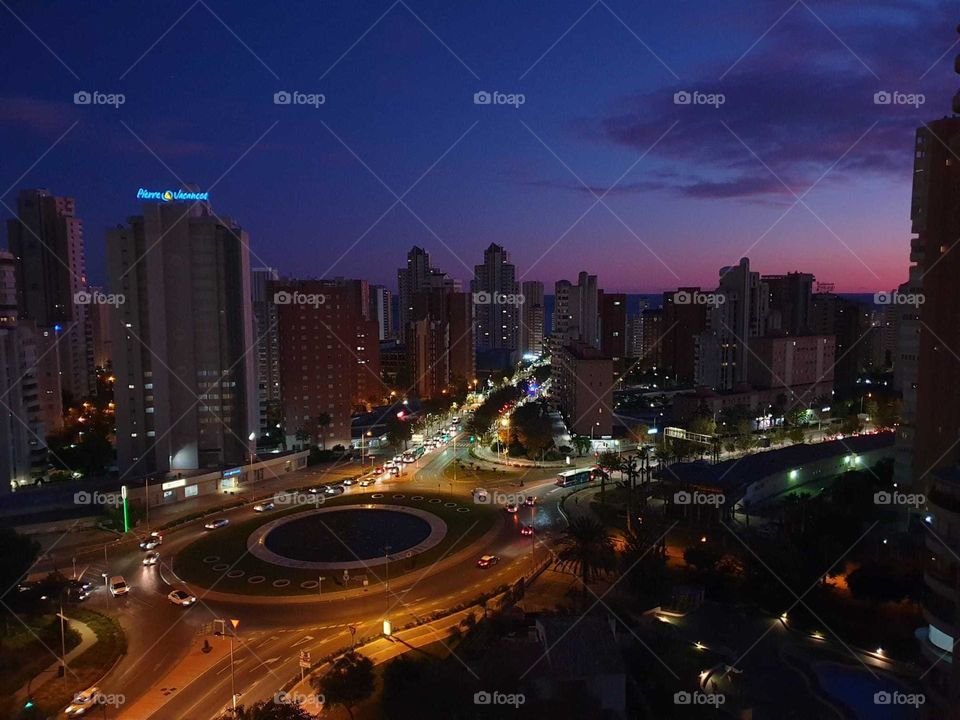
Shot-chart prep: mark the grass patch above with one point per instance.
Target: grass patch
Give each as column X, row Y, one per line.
column 52, row 693
column 25, row 652
column 230, row 545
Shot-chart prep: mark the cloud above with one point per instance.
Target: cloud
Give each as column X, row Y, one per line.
column 42, row 116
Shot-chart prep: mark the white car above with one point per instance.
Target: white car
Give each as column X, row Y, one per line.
column 118, row 586
column 367, row 482
column 214, row 524
column 264, row 507
column 82, row 702
column 151, row 541
column 151, row 558
column 347, row 481
column 182, row 598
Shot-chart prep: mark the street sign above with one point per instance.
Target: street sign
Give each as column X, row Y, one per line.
column 305, row 659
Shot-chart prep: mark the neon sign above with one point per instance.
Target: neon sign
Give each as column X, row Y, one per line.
column 171, row 195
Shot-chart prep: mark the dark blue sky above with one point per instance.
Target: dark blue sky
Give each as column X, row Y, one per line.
column 399, row 79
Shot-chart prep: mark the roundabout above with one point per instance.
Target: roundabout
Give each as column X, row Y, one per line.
column 348, row 537
column 341, row 545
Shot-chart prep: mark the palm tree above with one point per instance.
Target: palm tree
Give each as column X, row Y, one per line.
column 267, row 710
column 587, row 549
column 323, row 422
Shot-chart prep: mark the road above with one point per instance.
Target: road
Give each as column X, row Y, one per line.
column 270, row 636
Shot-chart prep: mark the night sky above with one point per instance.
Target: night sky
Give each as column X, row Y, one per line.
column 689, row 188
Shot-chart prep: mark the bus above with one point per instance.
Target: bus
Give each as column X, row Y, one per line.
column 575, row 477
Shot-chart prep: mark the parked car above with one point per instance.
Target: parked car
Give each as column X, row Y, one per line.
column 215, row 524
column 181, row 598
column 118, row 586
column 486, row 561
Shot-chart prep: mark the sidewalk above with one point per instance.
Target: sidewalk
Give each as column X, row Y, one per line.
column 88, row 638
column 193, row 666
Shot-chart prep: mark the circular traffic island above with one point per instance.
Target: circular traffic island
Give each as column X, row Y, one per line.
column 336, row 545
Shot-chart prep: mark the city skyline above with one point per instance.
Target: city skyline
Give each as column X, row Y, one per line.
column 688, row 178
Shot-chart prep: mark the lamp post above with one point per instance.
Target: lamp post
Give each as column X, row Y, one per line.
column 386, row 595
column 252, row 437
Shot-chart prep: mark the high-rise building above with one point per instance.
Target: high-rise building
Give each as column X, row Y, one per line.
column 329, row 357
column 613, row 329
column 266, row 338
column 790, row 301
column 651, row 338
column 416, row 277
column 800, row 365
column 849, row 322
column 495, row 297
column 46, row 239
column 381, row 310
column 100, row 322
column 683, row 322
column 589, row 309
column 532, row 318
column 741, row 314
column 566, row 311
column 583, row 385
column 184, row 361
column 441, row 341
column 23, row 451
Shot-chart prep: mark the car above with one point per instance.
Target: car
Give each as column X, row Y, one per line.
column 347, row 481
column 82, row 702
column 118, row 586
column 264, row 507
column 151, row 558
column 378, row 470
column 336, row 490
column 216, row 524
column 78, row 591
column 151, row 541
column 511, row 508
column 530, row 501
column 526, row 530
column 394, row 471
column 407, row 458
column 318, row 490
column 181, row 598
column 486, row 561
column 367, row 482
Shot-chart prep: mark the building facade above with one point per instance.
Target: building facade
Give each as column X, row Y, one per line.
column 496, row 294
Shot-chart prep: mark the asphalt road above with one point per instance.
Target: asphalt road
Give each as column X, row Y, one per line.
column 270, row 636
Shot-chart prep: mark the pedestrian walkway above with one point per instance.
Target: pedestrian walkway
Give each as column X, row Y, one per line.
column 191, row 667
column 88, row 638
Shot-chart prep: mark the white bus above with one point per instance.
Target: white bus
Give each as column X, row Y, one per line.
column 578, row 476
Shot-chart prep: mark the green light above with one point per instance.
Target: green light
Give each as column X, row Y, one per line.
column 28, row 704
column 126, row 514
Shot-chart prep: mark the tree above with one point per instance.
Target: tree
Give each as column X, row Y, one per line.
column 640, row 433
column 302, row 435
column 587, row 549
column 350, row 681
column 268, row 710
column 18, row 556
column 323, row 421
column 582, row 444
column 399, row 432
